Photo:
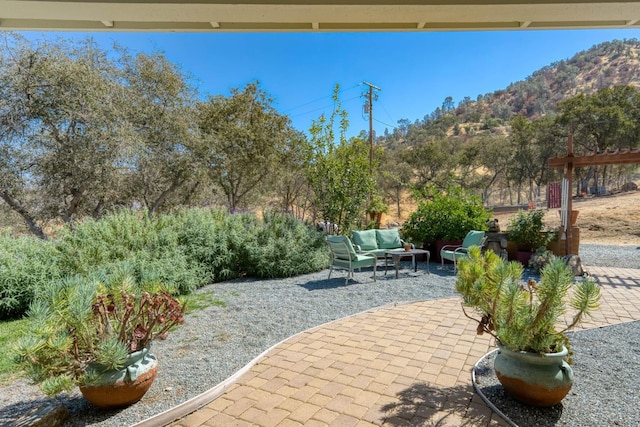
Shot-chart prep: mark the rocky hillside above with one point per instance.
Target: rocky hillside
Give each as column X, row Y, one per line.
column 607, row 64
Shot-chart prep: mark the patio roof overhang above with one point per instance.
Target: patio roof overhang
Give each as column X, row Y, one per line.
column 315, row 15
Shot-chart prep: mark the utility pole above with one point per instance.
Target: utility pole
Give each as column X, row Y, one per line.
column 368, row 108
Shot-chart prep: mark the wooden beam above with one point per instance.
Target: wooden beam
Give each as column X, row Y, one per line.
column 618, row 157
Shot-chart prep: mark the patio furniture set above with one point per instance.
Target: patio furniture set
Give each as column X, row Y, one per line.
column 366, row 247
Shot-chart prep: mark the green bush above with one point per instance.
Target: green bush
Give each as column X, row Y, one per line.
column 284, row 247
column 445, row 215
column 186, row 250
column 150, row 245
column 26, row 263
column 527, row 230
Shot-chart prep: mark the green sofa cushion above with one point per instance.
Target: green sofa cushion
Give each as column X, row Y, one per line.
column 388, row 239
column 366, row 239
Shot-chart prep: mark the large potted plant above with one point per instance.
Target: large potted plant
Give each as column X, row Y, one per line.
column 527, row 230
column 444, row 217
column 375, row 209
column 96, row 336
column 533, row 362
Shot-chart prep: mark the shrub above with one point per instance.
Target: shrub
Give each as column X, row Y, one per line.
column 185, row 250
column 526, row 229
column 150, row 245
column 26, row 263
column 446, row 215
column 285, row 247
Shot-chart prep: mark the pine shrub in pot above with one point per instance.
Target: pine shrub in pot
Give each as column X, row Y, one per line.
column 524, row 318
column 94, row 335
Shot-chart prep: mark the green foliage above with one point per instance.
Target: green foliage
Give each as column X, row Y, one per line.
column 526, row 229
column 182, row 251
column 26, row 263
column 10, row 332
column 128, row 239
column 377, row 205
column 284, row 247
column 540, row 259
column 446, row 215
column 339, row 171
column 78, row 324
column 523, row 316
column 245, row 140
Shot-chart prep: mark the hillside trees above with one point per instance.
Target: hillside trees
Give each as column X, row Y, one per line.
column 605, row 120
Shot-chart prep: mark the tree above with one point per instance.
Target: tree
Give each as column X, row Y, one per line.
column 338, row 171
column 432, row 162
column 60, row 129
column 394, row 177
column 160, row 107
column 291, row 188
column 607, row 119
column 245, row 139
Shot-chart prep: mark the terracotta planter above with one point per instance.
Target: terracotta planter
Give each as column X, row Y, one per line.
column 532, row 378
column 123, row 387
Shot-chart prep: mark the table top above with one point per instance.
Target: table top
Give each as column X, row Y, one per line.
column 402, row 251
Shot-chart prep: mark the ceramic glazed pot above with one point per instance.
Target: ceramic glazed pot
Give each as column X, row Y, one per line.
column 523, row 257
column 534, row 379
column 123, row 387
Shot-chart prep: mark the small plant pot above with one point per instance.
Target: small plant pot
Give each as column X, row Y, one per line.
column 523, row 257
column 534, row 379
column 122, row 387
column 407, row 247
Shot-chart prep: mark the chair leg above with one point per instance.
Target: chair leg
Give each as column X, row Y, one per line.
column 330, row 270
column 374, row 271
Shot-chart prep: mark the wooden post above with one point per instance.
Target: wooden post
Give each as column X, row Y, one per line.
column 569, row 176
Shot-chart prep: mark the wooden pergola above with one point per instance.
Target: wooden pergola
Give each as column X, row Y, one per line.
column 570, row 161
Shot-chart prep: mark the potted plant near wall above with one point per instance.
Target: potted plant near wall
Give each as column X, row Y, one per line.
column 95, row 336
column 533, row 362
column 444, row 217
column 527, row 230
column 376, row 208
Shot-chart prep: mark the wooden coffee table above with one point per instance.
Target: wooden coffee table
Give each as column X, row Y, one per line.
column 397, row 254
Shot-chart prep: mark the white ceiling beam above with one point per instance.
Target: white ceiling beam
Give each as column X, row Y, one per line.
column 291, row 15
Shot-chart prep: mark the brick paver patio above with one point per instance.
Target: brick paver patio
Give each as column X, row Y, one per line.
column 399, row 365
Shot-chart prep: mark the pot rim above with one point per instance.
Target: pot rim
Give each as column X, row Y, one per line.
column 561, row 353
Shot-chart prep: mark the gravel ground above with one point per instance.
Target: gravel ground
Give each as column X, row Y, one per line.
column 604, row 393
column 218, row 340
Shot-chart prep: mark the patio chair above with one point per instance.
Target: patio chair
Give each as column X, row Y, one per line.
column 454, row 252
column 344, row 256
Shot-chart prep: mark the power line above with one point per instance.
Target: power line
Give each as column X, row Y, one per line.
column 320, row 99
column 323, row 107
column 386, row 124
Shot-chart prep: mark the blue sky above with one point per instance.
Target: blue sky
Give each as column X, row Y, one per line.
column 416, row 71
